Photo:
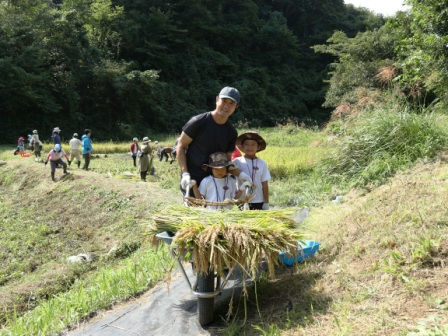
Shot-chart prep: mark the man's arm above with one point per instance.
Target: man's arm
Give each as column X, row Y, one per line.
column 184, row 142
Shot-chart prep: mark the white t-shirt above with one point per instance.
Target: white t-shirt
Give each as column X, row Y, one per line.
column 218, row 189
column 258, row 170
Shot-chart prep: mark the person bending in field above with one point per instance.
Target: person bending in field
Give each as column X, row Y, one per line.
column 250, row 143
column 220, row 186
column 55, row 157
column 20, row 146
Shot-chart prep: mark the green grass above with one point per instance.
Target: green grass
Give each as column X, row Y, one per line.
column 389, row 236
column 378, row 143
column 110, row 285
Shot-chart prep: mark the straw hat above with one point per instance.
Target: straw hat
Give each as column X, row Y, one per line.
column 146, row 140
column 250, row 136
column 56, row 129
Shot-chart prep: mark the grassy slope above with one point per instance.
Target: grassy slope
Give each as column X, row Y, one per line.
column 381, row 268
column 42, row 223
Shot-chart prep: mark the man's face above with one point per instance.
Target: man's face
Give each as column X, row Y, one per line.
column 225, row 107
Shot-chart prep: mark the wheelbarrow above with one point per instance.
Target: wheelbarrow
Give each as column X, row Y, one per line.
column 206, row 286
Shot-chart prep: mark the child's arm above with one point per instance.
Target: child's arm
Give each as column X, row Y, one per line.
column 196, row 192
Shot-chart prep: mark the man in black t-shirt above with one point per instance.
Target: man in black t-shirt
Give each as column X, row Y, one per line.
column 206, row 134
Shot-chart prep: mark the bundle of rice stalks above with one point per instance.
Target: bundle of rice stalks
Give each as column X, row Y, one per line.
column 224, row 239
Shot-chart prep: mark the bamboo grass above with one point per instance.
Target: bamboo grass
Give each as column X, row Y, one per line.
column 226, row 239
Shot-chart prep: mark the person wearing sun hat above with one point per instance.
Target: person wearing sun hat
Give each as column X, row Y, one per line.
column 208, row 133
column 37, row 145
column 144, row 162
column 250, row 143
column 220, row 185
column 55, row 136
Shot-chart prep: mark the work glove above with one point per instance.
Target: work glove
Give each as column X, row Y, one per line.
column 244, row 185
column 192, row 183
column 244, row 177
column 184, row 182
column 69, row 162
column 46, row 162
column 265, row 206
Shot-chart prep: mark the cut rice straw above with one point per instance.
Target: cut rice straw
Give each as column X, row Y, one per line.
column 225, row 239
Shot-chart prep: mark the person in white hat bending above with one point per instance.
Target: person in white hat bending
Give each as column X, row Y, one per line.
column 205, row 134
column 75, row 149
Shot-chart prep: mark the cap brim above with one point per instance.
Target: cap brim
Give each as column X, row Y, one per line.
column 225, row 96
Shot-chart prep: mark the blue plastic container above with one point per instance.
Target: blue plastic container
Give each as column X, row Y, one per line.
column 309, row 249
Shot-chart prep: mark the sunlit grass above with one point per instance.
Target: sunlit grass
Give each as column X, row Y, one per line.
column 110, row 285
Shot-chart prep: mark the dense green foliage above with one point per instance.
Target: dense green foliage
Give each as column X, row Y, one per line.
column 378, row 143
column 125, row 67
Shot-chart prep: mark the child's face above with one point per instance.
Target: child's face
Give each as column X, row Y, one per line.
column 250, row 147
column 219, row 172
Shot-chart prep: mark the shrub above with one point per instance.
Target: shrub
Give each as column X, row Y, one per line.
column 381, row 142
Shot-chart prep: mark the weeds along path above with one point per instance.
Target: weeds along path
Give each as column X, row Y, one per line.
column 44, row 222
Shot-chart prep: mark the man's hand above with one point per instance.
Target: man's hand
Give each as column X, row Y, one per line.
column 46, row 161
column 243, row 177
column 265, row 206
column 69, row 162
column 184, row 182
column 244, row 185
column 192, row 183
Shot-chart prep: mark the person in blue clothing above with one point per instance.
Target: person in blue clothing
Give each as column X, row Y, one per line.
column 55, row 136
column 87, row 148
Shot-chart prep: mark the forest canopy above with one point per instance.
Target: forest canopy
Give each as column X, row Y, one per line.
column 125, row 67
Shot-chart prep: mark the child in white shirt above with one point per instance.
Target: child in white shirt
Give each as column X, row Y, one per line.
column 250, row 143
column 220, row 185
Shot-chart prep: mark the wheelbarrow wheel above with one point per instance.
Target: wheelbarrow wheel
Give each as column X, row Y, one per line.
column 206, row 284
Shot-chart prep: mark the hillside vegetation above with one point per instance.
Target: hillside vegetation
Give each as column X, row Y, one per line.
column 382, row 264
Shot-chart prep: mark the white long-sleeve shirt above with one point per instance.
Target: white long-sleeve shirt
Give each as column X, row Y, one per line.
column 75, row 144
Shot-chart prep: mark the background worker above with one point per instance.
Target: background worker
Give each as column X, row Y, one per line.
column 206, row 134
column 55, row 137
column 87, row 148
column 145, row 159
column 134, row 149
column 55, row 156
column 36, row 144
column 75, row 149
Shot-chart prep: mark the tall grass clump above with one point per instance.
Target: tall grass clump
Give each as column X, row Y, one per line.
column 380, row 142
